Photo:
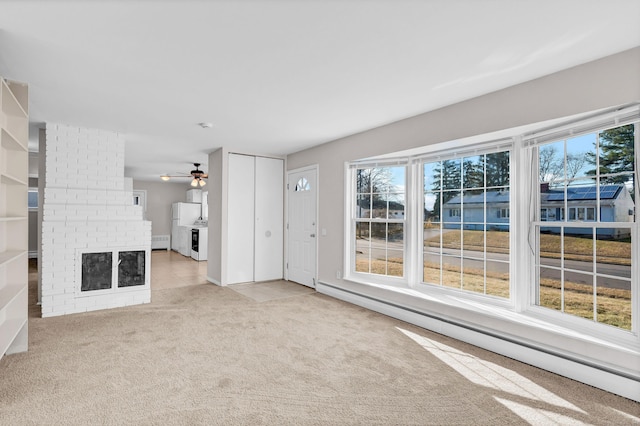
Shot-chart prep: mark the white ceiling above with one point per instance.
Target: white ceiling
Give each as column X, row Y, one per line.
column 278, row 76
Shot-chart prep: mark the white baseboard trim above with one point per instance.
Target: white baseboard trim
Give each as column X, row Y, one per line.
column 561, row 364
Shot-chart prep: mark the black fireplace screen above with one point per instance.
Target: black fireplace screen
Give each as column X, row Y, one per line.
column 131, row 268
column 96, row 271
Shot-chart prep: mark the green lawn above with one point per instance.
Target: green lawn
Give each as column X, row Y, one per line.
column 575, row 248
column 614, row 305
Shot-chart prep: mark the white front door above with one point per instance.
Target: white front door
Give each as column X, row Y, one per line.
column 302, row 198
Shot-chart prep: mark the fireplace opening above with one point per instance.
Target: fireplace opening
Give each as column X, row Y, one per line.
column 115, row 270
column 131, row 267
column 97, row 271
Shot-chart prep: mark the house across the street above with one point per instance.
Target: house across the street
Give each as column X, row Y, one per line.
column 616, row 205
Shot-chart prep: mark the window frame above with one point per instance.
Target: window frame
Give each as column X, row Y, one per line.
column 524, row 212
column 352, row 220
column 585, row 325
column 484, row 148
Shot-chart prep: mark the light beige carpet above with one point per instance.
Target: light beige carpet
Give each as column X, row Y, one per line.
column 270, row 290
column 204, row 354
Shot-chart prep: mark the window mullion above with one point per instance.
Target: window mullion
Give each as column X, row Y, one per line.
column 461, row 253
column 520, row 203
column 594, row 265
column 562, row 293
column 484, row 226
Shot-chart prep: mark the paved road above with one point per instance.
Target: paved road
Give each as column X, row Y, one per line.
column 573, row 266
column 575, row 271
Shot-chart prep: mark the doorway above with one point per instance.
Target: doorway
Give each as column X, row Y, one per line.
column 302, row 199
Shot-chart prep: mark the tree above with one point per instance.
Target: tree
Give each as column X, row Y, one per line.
column 446, row 176
column 473, row 172
column 549, row 163
column 374, row 187
column 497, row 165
column 575, row 163
column 374, row 180
column 451, row 174
column 616, row 154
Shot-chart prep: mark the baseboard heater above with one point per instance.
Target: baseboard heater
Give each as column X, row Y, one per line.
column 160, row 242
column 577, row 369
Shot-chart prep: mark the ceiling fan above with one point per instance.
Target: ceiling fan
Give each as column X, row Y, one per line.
column 197, row 175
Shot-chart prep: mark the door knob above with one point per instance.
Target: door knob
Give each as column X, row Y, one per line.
column 312, row 235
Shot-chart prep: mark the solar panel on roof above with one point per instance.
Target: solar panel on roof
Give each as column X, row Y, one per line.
column 584, row 193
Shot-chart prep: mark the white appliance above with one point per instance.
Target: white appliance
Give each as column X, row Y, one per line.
column 194, row 196
column 183, row 215
column 199, row 240
column 199, row 234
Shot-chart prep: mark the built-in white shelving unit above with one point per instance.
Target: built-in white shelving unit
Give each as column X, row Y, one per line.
column 14, row 157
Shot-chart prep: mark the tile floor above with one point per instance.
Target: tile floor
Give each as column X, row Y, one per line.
column 170, row 269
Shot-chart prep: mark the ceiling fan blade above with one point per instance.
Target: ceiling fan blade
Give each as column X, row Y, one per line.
column 194, row 174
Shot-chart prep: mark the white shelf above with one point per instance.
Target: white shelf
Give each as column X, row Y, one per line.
column 9, row 330
column 11, row 218
column 10, row 142
column 8, row 256
column 14, row 124
column 8, row 294
column 10, row 180
column 10, row 104
column 20, row 92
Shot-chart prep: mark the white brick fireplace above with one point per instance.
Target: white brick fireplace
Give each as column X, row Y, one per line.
column 95, row 245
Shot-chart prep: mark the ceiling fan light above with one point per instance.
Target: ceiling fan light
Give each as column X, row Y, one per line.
column 194, row 182
column 202, row 183
column 165, row 178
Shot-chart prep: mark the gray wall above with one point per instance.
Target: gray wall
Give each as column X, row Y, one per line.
column 160, row 195
column 217, row 185
column 33, row 214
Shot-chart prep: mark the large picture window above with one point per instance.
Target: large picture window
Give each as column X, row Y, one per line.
column 542, row 225
column 466, row 223
column 584, row 261
column 380, row 220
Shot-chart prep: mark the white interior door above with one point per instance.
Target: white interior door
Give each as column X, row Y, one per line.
column 240, row 248
column 269, row 218
column 302, row 198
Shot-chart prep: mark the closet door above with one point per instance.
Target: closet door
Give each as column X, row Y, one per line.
column 240, row 248
column 269, row 211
